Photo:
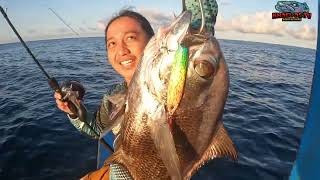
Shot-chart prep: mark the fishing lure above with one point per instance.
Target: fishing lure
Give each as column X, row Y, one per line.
column 177, row 79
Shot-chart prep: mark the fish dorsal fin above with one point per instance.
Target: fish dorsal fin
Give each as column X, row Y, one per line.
column 220, row 146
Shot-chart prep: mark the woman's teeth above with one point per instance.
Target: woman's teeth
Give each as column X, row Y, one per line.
column 126, row 62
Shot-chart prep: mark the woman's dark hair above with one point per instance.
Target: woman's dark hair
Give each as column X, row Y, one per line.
column 144, row 23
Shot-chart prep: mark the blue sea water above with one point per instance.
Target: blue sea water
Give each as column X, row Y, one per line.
column 264, row 114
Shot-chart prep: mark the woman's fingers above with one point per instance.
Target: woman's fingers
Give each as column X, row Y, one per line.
column 63, row 106
column 57, row 95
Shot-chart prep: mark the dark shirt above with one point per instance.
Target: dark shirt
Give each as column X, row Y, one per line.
column 102, row 120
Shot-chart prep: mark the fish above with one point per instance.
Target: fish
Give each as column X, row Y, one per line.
column 172, row 121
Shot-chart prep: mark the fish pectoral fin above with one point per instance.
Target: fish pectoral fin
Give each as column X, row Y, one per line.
column 117, row 112
column 116, row 157
column 220, row 146
column 114, row 118
column 164, row 143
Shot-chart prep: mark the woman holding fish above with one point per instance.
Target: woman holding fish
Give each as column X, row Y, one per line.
column 126, row 36
column 158, row 138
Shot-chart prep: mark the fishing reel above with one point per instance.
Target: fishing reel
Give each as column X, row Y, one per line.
column 73, row 93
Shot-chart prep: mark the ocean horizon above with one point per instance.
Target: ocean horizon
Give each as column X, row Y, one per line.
column 220, row 39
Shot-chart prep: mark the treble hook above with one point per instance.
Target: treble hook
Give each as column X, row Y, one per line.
column 203, row 20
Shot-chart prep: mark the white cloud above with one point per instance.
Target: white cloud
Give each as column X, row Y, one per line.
column 101, row 25
column 82, row 29
column 62, row 30
column 223, row 2
column 157, row 18
column 306, row 32
column 258, row 23
column 222, row 24
column 92, row 29
column 262, row 23
column 32, row 31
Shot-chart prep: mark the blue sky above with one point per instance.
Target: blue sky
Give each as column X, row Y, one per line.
column 248, row 20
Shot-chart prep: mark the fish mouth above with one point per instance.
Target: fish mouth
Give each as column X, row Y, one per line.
column 160, row 56
column 178, row 31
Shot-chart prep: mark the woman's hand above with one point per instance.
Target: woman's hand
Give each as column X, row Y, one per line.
column 63, row 106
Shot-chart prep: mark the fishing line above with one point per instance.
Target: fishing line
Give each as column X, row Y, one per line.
column 64, row 22
column 68, row 91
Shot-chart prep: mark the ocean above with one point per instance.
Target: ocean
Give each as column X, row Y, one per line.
column 264, row 114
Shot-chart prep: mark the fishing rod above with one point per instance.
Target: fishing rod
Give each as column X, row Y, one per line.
column 71, row 91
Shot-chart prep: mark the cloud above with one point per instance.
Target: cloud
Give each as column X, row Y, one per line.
column 62, row 30
column 157, row 18
column 262, row 23
column 82, row 29
column 224, row 2
column 222, row 24
column 32, row 31
column 306, row 32
column 92, row 29
column 101, row 25
column 259, row 23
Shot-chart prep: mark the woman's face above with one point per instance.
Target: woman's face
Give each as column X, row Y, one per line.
column 125, row 43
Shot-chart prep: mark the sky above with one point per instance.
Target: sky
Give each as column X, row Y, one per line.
column 248, row 20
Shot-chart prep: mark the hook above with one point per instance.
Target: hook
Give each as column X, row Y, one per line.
column 203, row 20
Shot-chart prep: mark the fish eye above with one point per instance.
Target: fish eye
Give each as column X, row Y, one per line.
column 204, row 68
